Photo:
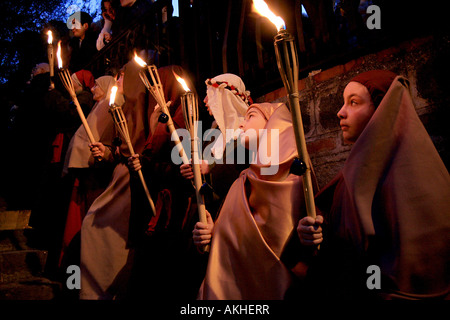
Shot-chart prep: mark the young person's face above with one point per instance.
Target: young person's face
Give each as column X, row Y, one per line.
column 119, row 82
column 97, row 92
column 252, row 123
column 109, row 10
column 79, row 30
column 356, row 112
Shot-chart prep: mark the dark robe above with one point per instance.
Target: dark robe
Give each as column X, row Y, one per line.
column 166, row 263
column 388, row 207
column 81, row 54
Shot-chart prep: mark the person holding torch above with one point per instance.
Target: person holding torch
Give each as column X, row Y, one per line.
column 163, row 241
column 251, row 240
column 384, row 229
column 105, row 255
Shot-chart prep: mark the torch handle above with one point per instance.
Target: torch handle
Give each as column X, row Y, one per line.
column 198, row 183
column 147, row 193
column 303, row 154
column 83, row 119
column 141, row 177
column 50, row 59
column 175, row 136
column 289, row 74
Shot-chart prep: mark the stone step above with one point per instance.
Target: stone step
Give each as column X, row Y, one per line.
column 18, row 265
column 34, row 288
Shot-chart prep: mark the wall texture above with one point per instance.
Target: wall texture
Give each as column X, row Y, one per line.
column 424, row 61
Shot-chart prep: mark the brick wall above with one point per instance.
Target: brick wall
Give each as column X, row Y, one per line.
column 424, row 61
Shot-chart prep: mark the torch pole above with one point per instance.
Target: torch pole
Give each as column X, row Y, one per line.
column 190, row 113
column 287, row 61
column 158, row 93
column 121, row 125
column 67, row 82
column 51, row 65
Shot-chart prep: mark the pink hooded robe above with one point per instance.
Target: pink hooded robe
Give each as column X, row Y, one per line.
column 258, row 218
column 390, row 204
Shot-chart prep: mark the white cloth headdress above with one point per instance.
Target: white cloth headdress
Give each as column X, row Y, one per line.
column 228, row 101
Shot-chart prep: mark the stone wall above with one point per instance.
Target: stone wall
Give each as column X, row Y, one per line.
column 424, row 61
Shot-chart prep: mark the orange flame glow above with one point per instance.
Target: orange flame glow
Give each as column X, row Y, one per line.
column 263, row 9
column 58, row 55
column 112, row 97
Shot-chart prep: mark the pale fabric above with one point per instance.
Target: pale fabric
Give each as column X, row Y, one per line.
column 104, row 234
column 102, row 127
column 228, row 109
column 105, row 269
column 252, row 231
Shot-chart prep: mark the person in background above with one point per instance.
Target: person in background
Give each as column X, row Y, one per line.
column 106, row 258
column 108, row 14
column 164, row 242
column 90, row 176
column 82, row 46
column 60, row 120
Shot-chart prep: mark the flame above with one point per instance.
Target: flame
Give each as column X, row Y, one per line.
column 263, row 9
column 112, row 97
column 58, row 55
column 181, row 81
column 139, row 61
column 50, row 37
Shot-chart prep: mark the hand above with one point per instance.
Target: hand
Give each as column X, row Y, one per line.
column 107, row 36
column 106, row 16
column 310, row 231
column 186, row 171
column 133, row 163
column 154, row 118
column 97, row 149
column 202, row 232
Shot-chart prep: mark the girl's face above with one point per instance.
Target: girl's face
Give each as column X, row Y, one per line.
column 253, row 122
column 356, row 112
column 109, row 11
column 98, row 93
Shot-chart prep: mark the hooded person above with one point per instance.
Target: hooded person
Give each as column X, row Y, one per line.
column 387, row 209
column 257, row 221
column 100, row 123
column 227, row 100
column 61, row 121
column 90, row 177
column 162, row 242
column 83, row 79
column 105, row 257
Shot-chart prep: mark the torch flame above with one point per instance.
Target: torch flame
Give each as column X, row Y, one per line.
column 50, row 37
column 139, row 61
column 182, row 82
column 263, row 9
column 112, row 97
column 58, row 55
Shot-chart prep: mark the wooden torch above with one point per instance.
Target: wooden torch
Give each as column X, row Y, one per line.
column 121, row 125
